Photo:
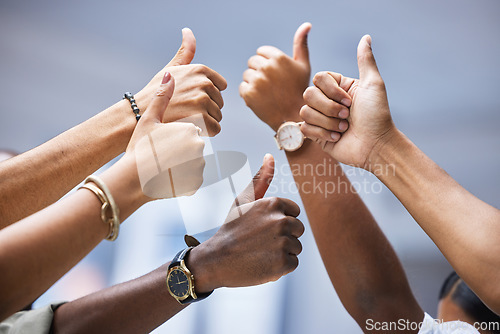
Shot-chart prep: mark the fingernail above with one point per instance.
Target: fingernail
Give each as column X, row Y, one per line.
column 344, row 113
column 266, row 157
column 166, row 78
column 346, row 102
column 342, row 125
column 335, row 136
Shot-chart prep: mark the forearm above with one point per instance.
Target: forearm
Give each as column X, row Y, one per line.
column 465, row 228
column 361, row 263
column 137, row 306
column 41, row 176
column 37, row 251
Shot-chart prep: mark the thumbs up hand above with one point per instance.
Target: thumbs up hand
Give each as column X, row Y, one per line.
column 168, row 157
column 350, row 136
column 274, row 83
column 256, row 245
column 197, row 91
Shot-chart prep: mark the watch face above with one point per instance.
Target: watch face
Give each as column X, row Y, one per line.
column 290, row 137
column 178, row 283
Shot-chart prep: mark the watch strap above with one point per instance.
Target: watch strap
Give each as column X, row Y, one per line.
column 277, row 141
column 179, row 257
column 191, row 241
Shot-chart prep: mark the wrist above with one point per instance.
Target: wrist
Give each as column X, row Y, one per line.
column 202, row 269
column 123, row 180
column 290, row 114
column 381, row 157
column 114, row 127
column 142, row 100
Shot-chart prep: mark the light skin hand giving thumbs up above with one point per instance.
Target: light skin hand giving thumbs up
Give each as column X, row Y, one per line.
column 169, row 156
column 274, row 83
column 197, row 91
column 161, row 160
column 353, row 141
column 258, row 242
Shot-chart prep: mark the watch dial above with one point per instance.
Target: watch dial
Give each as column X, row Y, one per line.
column 290, row 137
column 178, row 283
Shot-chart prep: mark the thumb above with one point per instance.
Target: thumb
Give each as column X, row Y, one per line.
column 159, row 104
column 185, row 54
column 260, row 183
column 366, row 62
column 300, row 48
column 263, row 178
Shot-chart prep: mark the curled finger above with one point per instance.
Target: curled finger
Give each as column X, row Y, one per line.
column 318, row 133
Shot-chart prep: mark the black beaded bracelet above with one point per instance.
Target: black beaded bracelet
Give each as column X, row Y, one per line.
column 135, row 109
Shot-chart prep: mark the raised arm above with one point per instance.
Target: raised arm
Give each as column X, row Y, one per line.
column 464, row 228
column 256, row 247
column 41, row 176
column 361, row 263
column 38, row 250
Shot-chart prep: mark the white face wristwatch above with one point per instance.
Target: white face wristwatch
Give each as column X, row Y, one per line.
column 289, row 137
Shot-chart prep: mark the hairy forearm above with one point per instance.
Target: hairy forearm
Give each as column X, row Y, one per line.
column 361, row 263
column 41, row 176
column 38, row 250
column 138, row 306
column 465, row 228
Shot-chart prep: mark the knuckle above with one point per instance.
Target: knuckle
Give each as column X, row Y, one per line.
column 247, row 73
column 293, row 263
column 308, row 114
column 299, row 248
column 306, row 130
column 206, row 83
column 273, row 202
column 283, row 245
column 201, row 144
column 281, row 57
column 302, row 228
column 252, row 60
column 190, row 129
column 319, row 77
column 202, row 69
column 309, row 93
column 217, row 128
column 282, row 225
column 213, row 126
column 303, row 112
column 242, row 90
column 260, row 204
column 283, row 261
column 202, row 99
column 202, row 163
column 223, row 83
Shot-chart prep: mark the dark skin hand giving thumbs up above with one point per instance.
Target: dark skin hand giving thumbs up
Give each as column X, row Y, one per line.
column 256, row 245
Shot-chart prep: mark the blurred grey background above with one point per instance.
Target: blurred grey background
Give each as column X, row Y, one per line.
column 64, row 61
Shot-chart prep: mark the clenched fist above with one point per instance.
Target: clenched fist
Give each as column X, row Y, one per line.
column 274, row 83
